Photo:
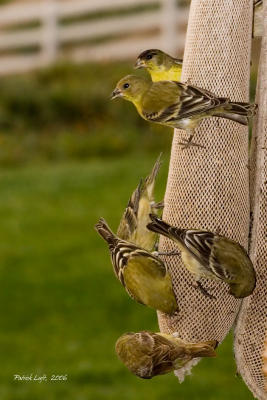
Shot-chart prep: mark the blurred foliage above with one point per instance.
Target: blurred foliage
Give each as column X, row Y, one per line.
column 65, row 112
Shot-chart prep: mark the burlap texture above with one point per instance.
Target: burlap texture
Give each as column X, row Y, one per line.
column 252, row 322
column 208, row 188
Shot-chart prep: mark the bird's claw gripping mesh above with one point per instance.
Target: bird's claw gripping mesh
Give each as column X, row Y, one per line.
column 208, row 187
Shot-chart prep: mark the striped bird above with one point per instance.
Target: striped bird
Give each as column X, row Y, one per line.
column 143, row 275
column 179, row 105
column 148, row 354
column 161, row 66
column 135, row 218
column 206, row 254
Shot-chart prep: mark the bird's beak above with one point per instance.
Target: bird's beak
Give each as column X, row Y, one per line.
column 139, row 64
column 116, row 93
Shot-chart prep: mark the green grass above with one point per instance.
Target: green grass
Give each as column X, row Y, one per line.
column 61, row 307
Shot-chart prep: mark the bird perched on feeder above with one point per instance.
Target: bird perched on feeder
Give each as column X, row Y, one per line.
column 147, row 354
column 161, row 66
column 179, row 105
column 143, row 275
column 209, row 255
column 135, row 218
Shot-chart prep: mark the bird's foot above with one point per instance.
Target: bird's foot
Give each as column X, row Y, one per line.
column 158, row 205
column 203, row 290
column 188, row 142
column 188, row 82
column 168, row 253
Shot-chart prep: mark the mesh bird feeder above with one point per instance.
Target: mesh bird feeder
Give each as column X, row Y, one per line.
column 209, row 188
column 251, row 328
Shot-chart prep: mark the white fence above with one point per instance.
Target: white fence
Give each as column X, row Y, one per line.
column 43, row 29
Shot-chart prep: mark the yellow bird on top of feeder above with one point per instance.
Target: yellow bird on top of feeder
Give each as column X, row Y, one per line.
column 161, row 66
column 143, row 275
column 147, row 354
column 209, row 255
column 135, row 218
column 179, row 105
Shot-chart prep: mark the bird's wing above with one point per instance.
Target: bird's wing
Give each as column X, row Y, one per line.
column 125, row 254
column 166, row 104
column 133, row 223
column 128, row 222
column 200, row 245
column 178, row 61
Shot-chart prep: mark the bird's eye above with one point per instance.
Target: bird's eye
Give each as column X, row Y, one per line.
column 126, row 85
column 148, row 57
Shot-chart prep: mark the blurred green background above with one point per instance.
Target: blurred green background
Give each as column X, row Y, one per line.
column 69, row 156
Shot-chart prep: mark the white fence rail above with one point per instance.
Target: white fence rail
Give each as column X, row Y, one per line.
column 133, row 31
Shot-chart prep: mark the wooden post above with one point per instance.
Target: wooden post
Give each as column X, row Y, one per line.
column 49, row 20
column 251, row 325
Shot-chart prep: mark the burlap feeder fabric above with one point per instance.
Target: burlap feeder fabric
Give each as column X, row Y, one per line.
column 208, row 188
column 251, row 328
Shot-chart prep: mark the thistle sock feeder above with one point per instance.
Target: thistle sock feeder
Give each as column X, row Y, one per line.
column 251, row 327
column 208, row 188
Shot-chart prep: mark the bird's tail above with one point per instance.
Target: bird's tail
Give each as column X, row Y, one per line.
column 104, row 230
column 149, row 182
column 163, row 228
column 203, row 349
column 237, row 111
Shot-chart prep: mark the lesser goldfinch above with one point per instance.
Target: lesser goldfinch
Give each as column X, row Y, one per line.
column 258, row 18
column 161, row 66
column 147, row 354
column 143, row 275
column 209, row 255
column 178, row 105
column 135, row 218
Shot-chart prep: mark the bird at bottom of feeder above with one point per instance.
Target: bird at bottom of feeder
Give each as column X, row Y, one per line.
column 143, row 275
column 160, row 65
column 210, row 255
column 135, row 218
column 179, row 105
column 147, row 354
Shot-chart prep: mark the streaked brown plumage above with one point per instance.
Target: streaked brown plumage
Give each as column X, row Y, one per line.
column 147, row 354
column 135, row 218
column 209, row 255
column 143, row 275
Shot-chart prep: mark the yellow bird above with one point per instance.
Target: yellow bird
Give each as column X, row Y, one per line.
column 161, row 66
column 179, row 105
column 147, row 354
column 135, row 218
column 209, row 255
column 143, row 275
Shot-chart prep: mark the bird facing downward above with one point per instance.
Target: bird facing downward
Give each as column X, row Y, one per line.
column 161, row 66
column 135, row 218
column 208, row 255
column 147, row 354
column 178, row 105
column 144, row 276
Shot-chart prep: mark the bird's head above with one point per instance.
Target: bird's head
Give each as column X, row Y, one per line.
column 131, row 88
column 152, row 60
